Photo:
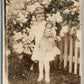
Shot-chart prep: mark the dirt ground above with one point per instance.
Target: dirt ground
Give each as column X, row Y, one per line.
column 56, row 77
column 18, row 74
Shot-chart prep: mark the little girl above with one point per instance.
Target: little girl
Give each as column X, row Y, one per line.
column 47, row 50
column 37, row 29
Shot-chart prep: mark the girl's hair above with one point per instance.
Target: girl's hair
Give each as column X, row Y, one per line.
column 39, row 10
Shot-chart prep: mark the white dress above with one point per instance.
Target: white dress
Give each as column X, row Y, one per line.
column 46, row 48
column 37, row 30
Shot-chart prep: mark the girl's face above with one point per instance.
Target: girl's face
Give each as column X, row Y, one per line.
column 40, row 17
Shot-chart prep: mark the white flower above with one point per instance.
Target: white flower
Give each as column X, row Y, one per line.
column 72, row 32
column 25, row 39
column 14, row 21
column 16, row 11
column 22, row 17
column 14, row 32
column 21, row 24
column 18, row 48
column 58, row 13
column 45, row 2
column 72, row 13
column 33, row 18
column 58, row 17
column 76, row 3
column 53, row 9
column 28, row 30
column 24, row 30
column 78, row 34
column 14, row 4
column 74, row 9
column 37, row 5
column 65, row 29
column 24, row 20
column 18, row 36
column 66, row 11
column 31, row 8
column 25, row 14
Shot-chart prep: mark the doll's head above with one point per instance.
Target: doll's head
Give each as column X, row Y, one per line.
column 49, row 25
column 24, row 30
column 39, row 14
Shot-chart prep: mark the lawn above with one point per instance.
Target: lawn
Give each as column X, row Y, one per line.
column 56, row 77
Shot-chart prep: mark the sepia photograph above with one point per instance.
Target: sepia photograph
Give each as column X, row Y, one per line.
column 42, row 42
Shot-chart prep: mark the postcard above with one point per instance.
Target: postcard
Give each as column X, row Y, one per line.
column 42, row 42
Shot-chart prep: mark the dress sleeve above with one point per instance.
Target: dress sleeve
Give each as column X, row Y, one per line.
column 54, row 33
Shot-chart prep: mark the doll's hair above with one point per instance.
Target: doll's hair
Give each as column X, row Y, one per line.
column 49, row 22
column 58, row 28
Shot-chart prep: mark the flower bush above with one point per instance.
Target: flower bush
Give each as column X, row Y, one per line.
column 63, row 12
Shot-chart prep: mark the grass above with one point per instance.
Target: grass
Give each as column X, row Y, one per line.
column 56, row 77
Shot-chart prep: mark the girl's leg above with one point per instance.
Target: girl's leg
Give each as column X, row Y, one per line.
column 40, row 71
column 47, row 71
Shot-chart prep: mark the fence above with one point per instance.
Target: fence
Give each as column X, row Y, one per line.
column 70, row 55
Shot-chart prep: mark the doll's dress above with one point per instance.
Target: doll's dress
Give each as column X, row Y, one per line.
column 47, row 49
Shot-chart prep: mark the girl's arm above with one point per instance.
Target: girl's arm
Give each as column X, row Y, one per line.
column 53, row 33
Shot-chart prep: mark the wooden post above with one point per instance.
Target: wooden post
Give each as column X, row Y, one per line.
column 81, row 48
column 61, row 48
column 76, row 56
column 71, row 54
column 65, row 53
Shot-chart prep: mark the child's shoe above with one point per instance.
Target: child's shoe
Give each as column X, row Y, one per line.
column 47, row 79
column 40, row 78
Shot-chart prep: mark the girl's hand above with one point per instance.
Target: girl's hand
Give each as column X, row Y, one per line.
column 36, row 61
column 58, row 38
